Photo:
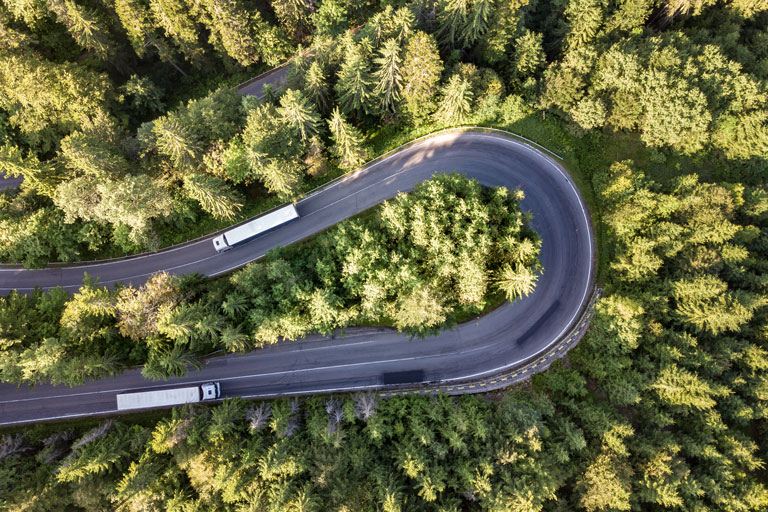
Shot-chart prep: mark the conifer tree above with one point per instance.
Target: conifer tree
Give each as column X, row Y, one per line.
column 348, row 142
column 316, row 86
column 422, row 68
column 85, row 25
column 477, row 24
column 213, row 194
column 355, row 84
column 388, row 75
column 517, row 282
column 176, row 140
column 43, row 177
column 297, row 112
column 456, row 99
column 453, row 17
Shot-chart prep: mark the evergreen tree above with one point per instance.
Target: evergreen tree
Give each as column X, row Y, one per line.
column 213, row 194
column 294, row 15
column 296, row 111
column 177, row 22
column 453, row 18
column 237, row 31
column 456, row 99
column 348, row 142
column 47, row 100
column 388, row 75
column 42, row 177
column 85, row 25
column 479, row 15
column 176, row 141
column 518, row 282
column 316, row 86
column 354, row 85
column 422, row 68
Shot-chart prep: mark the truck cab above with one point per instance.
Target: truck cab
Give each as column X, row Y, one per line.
column 220, row 244
column 211, row 390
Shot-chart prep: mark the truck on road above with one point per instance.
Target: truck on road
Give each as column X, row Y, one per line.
column 168, row 397
column 257, row 227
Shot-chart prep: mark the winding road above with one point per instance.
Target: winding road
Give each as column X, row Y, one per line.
column 360, row 360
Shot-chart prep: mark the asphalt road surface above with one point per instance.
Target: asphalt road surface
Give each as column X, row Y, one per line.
column 8, row 181
column 275, row 78
column 500, row 340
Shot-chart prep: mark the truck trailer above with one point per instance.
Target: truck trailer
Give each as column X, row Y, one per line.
column 168, row 397
column 256, row 227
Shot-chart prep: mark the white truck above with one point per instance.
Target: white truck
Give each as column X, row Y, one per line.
column 256, row 227
column 168, row 397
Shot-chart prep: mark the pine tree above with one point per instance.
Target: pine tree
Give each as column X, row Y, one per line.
column 169, row 362
column 456, row 99
column 42, row 177
column 479, row 15
column 453, row 18
column 421, row 70
column 139, row 309
column 176, row 141
column 46, row 100
column 294, row 15
column 280, row 178
column 236, row 30
column 388, row 75
column 348, row 142
column 85, row 25
column 517, row 282
column 136, row 19
column 354, row 86
column 296, row 111
column 178, row 23
column 133, row 201
column 214, row 195
column 316, row 86
column 584, row 18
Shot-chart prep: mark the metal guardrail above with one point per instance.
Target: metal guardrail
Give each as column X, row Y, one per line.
column 537, row 364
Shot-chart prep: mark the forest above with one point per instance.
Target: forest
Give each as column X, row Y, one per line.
column 660, row 111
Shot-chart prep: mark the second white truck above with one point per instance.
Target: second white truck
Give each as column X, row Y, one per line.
column 168, row 397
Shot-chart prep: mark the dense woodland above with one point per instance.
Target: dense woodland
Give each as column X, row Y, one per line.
column 660, row 109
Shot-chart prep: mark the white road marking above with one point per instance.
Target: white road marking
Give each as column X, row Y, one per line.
column 240, row 377
column 527, row 147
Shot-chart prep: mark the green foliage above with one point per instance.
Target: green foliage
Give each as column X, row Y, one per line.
column 415, row 263
column 456, row 99
column 348, row 143
column 47, row 100
column 388, row 75
column 662, row 404
column 355, row 84
column 422, row 68
column 273, row 150
column 676, row 93
column 299, row 114
column 213, row 194
column 412, row 265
